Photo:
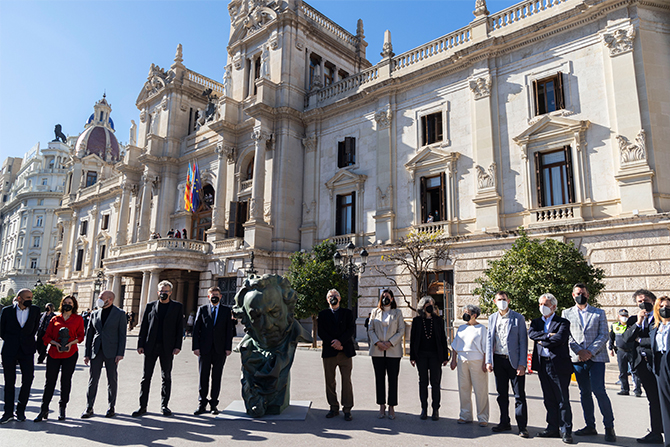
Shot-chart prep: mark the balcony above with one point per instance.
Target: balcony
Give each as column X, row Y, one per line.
column 568, row 213
column 229, row 245
column 165, row 253
column 246, row 185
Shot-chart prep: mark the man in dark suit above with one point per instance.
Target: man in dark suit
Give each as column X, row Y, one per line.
column 18, row 326
column 46, row 317
column 336, row 327
column 637, row 333
column 160, row 339
column 105, row 345
column 213, row 332
column 551, row 359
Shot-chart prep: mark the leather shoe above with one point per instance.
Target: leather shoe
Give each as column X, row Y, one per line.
column 139, row 412
column 6, row 418
column 586, row 431
column 332, row 414
column 87, row 414
column 424, row 414
column 43, row 416
column 20, row 416
column 167, row 411
column 523, row 433
column 623, row 393
column 347, row 417
column 215, row 410
column 61, row 413
column 567, row 438
column 200, row 410
column 610, row 436
column 651, row 438
column 436, row 415
column 110, row 413
column 500, row 428
column 546, row 433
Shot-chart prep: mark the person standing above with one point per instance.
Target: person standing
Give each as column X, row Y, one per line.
column 660, row 346
column 622, row 350
column 551, row 359
column 588, row 346
column 212, row 343
column 105, row 345
column 386, row 329
column 63, row 334
column 18, row 325
column 46, row 317
column 160, row 339
column 336, row 329
column 506, row 357
column 469, row 347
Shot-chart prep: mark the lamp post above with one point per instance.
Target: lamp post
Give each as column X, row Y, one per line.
column 38, row 283
column 97, row 284
column 251, row 270
column 349, row 268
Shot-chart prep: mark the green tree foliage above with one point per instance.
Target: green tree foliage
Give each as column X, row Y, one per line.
column 6, row 301
column 533, row 267
column 47, row 293
column 312, row 274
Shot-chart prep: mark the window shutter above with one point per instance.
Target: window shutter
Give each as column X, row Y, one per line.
column 536, row 99
column 443, row 197
column 424, row 217
column 353, row 211
column 438, row 127
column 538, row 180
column 424, row 128
column 560, row 95
column 338, row 215
column 569, row 178
column 350, row 150
column 341, row 148
column 232, row 219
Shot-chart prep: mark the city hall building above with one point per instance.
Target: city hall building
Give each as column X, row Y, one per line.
column 553, row 115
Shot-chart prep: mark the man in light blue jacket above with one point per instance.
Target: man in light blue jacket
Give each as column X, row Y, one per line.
column 507, row 358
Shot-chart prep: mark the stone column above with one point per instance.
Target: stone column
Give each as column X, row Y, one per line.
column 258, row 233
column 144, row 296
column 144, row 226
column 178, row 294
column 384, row 217
column 71, row 254
column 218, row 230
column 309, row 205
column 116, row 288
column 122, row 225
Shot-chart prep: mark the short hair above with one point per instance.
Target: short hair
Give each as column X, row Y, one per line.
column 165, row 283
column 422, row 303
column 394, row 305
column 22, row 291
column 580, row 285
column 472, row 309
column 501, row 293
column 50, row 306
column 75, row 304
column 333, row 290
column 552, row 299
column 657, row 313
column 212, row 290
column 645, row 293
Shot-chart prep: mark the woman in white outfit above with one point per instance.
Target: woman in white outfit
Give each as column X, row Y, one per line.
column 469, row 347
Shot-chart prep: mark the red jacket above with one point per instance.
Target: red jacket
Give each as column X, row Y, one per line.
column 76, row 326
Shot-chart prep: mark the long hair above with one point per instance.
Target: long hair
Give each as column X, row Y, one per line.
column 75, row 305
column 380, row 306
column 657, row 313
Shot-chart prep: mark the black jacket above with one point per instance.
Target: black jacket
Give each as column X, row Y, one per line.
column 173, row 328
column 557, row 344
column 207, row 336
column 440, row 338
column 656, row 355
column 639, row 338
column 329, row 329
column 18, row 341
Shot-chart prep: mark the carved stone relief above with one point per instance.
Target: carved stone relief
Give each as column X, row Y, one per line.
column 486, row 179
column 310, row 143
column 620, row 41
column 481, row 86
column 384, row 117
column 632, row 152
column 384, row 198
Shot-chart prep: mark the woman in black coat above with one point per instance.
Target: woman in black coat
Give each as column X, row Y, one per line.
column 429, row 352
column 660, row 348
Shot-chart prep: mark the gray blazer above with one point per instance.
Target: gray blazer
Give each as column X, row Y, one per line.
column 592, row 336
column 110, row 339
column 517, row 339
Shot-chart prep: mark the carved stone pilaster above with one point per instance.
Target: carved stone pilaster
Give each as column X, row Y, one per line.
column 486, row 179
column 260, row 135
column 310, row 143
column 632, row 152
column 383, row 118
column 481, row 86
column 620, row 41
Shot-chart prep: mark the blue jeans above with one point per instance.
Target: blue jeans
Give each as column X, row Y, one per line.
column 590, row 377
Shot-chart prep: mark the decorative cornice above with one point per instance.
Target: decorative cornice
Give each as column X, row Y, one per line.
column 620, row 41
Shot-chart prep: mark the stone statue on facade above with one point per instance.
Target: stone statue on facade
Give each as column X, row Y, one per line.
column 265, row 306
column 60, row 136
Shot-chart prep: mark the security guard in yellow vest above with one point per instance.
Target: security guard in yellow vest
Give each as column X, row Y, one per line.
column 624, row 353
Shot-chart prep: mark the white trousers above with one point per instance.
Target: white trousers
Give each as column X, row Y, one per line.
column 471, row 376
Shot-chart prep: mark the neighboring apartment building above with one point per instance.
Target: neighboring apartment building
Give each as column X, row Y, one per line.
column 32, row 188
column 551, row 114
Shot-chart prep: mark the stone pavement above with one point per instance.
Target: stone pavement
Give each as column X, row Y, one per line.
column 184, row 429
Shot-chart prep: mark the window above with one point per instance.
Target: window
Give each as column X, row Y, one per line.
column 36, row 241
column 328, row 74
column 102, row 254
column 548, row 94
column 105, row 222
column 250, row 170
column 314, row 63
column 4, row 197
column 346, row 152
column 20, row 242
column 80, row 260
column 239, row 214
column 33, row 263
column 91, row 178
column 56, row 263
column 553, row 172
column 345, row 214
column 45, row 182
column 38, row 221
column 431, row 127
column 24, row 219
column 40, row 202
column 257, row 72
column 83, row 229
column 343, row 74
column 433, row 203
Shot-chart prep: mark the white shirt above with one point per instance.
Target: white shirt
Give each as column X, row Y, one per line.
column 544, row 352
column 582, row 315
column 502, row 330
column 661, row 337
column 386, row 321
column 470, row 342
column 22, row 315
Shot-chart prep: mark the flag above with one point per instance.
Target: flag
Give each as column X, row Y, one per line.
column 188, row 190
column 197, row 188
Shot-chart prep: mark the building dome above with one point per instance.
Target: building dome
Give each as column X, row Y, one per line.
column 98, row 137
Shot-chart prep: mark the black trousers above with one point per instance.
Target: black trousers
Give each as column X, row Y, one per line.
column 66, row 368
column 650, row 384
column 556, row 393
column 41, row 350
column 430, row 370
column 623, row 360
column 211, row 363
column 506, row 375
column 27, row 366
column 664, row 395
column 97, row 363
column 386, row 366
column 166, row 376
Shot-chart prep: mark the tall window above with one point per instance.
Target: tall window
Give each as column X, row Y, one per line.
column 39, row 220
column 553, row 172
column 257, row 72
column 548, row 94
column 250, row 170
column 433, row 203
column 91, row 178
column 36, row 241
column 314, row 63
column 431, row 126
column 345, row 216
column 45, row 182
column 33, row 263
column 328, row 74
column 56, row 262
column 346, row 152
column 102, row 255
column 83, row 229
column 105, row 222
column 80, row 260
column 239, row 214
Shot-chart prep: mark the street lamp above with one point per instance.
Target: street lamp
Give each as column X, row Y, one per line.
column 38, row 283
column 349, row 268
column 251, row 270
column 97, row 284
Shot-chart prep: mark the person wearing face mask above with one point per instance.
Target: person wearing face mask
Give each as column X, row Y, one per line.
column 385, row 330
column 469, row 348
column 105, row 345
column 551, row 359
column 622, row 350
column 18, row 325
column 507, row 358
column 429, row 352
column 213, row 333
column 63, row 334
column 588, row 351
column 660, row 346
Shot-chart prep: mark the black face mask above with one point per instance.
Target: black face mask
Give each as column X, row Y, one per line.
column 164, row 296
column 466, row 317
column 664, row 312
column 27, row 303
column 67, row 308
column 429, row 309
column 214, row 299
column 581, row 299
column 333, row 300
column 386, row 301
column 646, row 306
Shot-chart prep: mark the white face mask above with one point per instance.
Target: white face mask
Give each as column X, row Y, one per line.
column 546, row 311
column 502, row 305
column 100, row 303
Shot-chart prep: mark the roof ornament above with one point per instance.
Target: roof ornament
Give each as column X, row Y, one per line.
column 480, row 8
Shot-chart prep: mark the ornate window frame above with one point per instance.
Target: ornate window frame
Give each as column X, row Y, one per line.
column 547, row 71
column 444, row 108
column 344, row 182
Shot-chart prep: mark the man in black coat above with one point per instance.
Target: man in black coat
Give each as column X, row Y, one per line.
column 336, row 327
column 213, row 332
column 46, row 317
column 551, row 359
column 637, row 334
column 18, row 326
column 160, row 339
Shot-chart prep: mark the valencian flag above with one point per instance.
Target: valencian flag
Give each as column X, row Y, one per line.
column 188, row 191
column 197, row 188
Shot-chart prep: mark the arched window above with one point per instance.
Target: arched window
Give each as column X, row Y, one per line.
column 250, row 169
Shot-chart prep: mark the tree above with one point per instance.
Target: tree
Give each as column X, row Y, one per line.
column 47, row 293
column 416, row 254
column 533, row 267
column 7, row 301
column 312, row 274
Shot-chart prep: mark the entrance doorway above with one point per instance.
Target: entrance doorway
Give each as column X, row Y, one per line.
column 440, row 286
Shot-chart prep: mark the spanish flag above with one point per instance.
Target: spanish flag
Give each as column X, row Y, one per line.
column 188, row 190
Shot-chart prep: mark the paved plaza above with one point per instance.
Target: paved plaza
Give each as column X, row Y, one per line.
column 184, row 429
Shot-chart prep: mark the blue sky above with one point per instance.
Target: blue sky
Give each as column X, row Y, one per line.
column 58, row 57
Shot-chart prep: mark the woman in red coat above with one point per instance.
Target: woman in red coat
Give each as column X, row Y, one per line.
column 63, row 334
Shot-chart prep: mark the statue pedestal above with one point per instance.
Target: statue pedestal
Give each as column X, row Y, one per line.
column 296, row 411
